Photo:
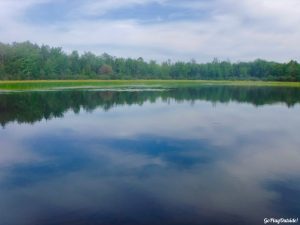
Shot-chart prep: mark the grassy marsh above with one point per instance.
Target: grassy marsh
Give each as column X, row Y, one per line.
column 54, row 84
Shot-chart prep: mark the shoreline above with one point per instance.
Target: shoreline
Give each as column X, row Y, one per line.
column 52, row 84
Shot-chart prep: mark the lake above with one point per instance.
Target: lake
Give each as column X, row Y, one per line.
column 147, row 156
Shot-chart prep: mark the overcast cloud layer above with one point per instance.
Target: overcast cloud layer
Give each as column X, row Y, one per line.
column 238, row 30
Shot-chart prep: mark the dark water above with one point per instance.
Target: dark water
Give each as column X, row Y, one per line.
column 208, row 155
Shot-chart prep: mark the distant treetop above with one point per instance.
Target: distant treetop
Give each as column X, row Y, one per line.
column 30, row 61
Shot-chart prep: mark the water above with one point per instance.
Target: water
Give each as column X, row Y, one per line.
column 206, row 155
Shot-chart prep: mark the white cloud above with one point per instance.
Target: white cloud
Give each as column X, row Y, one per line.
column 103, row 6
column 238, row 30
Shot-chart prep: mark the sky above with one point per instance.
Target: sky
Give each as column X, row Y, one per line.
column 235, row 30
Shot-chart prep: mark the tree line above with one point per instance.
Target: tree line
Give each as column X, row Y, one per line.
column 28, row 61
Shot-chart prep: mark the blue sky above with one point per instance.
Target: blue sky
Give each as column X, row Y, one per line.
column 238, row 30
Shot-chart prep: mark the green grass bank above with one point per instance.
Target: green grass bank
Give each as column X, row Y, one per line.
column 60, row 84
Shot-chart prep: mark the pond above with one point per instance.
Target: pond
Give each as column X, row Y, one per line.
column 201, row 155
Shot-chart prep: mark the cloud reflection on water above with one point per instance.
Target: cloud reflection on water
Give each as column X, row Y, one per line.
column 146, row 164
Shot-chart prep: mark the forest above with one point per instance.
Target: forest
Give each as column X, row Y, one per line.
column 28, row 61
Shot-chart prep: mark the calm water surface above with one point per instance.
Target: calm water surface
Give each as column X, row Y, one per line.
column 206, row 155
